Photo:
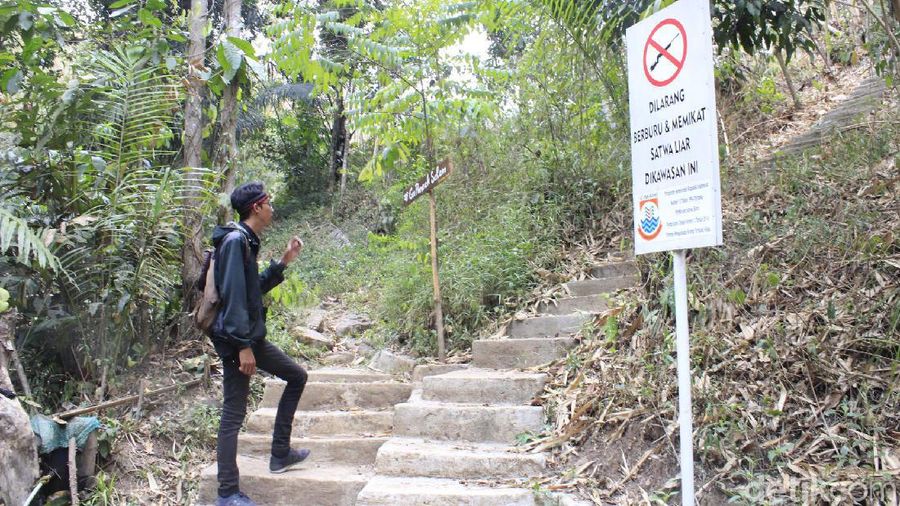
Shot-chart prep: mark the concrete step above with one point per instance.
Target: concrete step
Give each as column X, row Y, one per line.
column 425, row 370
column 310, row 485
column 598, row 286
column 323, row 396
column 615, row 270
column 466, row 422
column 488, row 386
column 519, row 353
column 346, row 375
column 326, row 423
column 547, row 326
column 388, row 491
column 569, row 305
column 347, row 450
column 419, row 458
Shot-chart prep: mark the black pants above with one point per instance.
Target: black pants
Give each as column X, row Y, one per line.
column 236, row 387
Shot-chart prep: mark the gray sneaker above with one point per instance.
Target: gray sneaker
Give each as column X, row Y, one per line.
column 288, row 462
column 238, row 499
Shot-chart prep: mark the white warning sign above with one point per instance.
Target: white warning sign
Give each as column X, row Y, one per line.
column 674, row 139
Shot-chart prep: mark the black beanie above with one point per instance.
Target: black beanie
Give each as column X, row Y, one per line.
column 246, row 195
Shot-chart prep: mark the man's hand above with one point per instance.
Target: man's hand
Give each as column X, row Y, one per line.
column 248, row 362
column 293, row 249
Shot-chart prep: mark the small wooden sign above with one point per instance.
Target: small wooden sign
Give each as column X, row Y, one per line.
column 428, row 181
column 422, row 186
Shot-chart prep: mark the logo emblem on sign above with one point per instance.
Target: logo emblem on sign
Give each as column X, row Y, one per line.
column 651, row 223
column 665, row 52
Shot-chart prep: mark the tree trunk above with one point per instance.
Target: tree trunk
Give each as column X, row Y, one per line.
column 226, row 149
column 338, row 141
column 344, row 155
column 192, row 250
column 787, row 78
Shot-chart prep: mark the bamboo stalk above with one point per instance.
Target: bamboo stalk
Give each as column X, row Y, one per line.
column 126, row 400
column 73, row 472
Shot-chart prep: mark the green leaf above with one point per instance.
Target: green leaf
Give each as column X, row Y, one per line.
column 32, row 47
column 120, row 3
column 99, row 164
column 67, row 18
column 149, row 19
column 230, row 58
column 11, row 81
column 119, row 12
column 155, row 5
column 244, row 46
column 26, row 21
column 389, row 156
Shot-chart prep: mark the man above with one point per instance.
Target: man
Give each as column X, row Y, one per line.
column 239, row 336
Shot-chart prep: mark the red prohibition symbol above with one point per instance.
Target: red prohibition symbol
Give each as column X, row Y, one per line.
column 656, row 71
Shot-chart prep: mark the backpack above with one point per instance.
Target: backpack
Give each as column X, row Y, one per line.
column 208, row 303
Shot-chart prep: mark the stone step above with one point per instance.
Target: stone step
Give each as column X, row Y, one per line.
column 488, row 386
column 425, row 370
column 547, row 326
column 569, row 305
column 519, row 353
column 345, row 375
column 324, row 396
column 310, row 485
column 615, row 270
column 466, row 422
column 598, row 286
column 326, row 423
column 419, row 458
column 389, row 491
column 348, row 450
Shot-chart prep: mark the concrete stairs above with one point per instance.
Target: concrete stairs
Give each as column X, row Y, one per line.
column 344, row 417
column 447, row 439
column 452, row 442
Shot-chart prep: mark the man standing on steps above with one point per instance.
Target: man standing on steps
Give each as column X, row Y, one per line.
column 239, row 336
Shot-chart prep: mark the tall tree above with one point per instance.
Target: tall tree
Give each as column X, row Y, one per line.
column 335, row 49
column 191, row 252
column 226, row 145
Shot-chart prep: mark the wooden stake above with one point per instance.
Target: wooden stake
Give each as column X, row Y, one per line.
column 438, row 309
column 142, row 389
column 73, row 472
column 87, row 461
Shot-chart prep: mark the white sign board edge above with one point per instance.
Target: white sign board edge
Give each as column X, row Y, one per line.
column 674, row 136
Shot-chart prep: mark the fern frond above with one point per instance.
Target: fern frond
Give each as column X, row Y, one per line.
column 28, row 244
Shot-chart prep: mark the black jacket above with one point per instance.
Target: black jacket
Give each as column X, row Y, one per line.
column 241, row 321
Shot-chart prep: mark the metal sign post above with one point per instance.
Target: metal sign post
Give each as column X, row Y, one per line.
column 675, row 164
column 426, row 185
column 683, row 350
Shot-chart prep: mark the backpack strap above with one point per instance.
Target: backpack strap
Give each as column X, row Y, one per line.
column 246, row 242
